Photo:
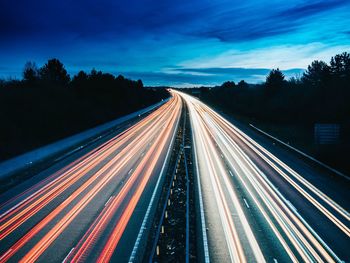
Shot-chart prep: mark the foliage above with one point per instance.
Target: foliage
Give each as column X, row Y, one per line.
column 322, row 94
column 274, row 81
column 54, row 72
column 46, row 105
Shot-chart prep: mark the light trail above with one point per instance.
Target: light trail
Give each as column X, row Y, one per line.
column 236, row 175
column 149, row 161
column 211, row 160
column 222, row 148
column 85, row 179
column 35, row 202
column 145, row 169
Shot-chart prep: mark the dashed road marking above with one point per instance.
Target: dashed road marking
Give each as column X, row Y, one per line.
column 246, row 203
column 64, row 260
column 108, row 200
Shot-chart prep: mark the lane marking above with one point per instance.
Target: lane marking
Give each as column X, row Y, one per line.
column 246, row 203
column 201, row 206
column 70, row 252
column 145, row 219
column 204, row 229
column 109, row 200
column 130, row 171
column 292, row 207
column 230, row 173
column 302, row 153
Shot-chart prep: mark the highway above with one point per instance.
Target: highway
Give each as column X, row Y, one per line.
column 257, row 208
column 92, row 208
column 257, row 202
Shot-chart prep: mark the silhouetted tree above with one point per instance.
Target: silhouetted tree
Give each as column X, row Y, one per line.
column 30, row 72
column 139, row 84
column 340, row 66
column 80, row 81
column 242, row 84
column 228, row 85
column 120, row 78
column 35, row 117
column 293, row 81
column 53, row 71
column 81, row 76
column 317, row 74
column 274, row 81
column 94, row 74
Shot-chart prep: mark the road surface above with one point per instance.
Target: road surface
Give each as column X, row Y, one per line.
column 91, row 209
column 259, row 209
column 258, row 202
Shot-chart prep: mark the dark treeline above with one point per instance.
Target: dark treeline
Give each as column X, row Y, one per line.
column 320, row 95
column 47, row 104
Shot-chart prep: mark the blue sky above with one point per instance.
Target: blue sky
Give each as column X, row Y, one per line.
column 174, row 42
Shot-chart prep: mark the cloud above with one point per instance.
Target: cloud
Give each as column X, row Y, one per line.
column 156, row 35
column 222, row 19
column 190, row 77
column 310, row 8
column 282, row 56
column 260, row 19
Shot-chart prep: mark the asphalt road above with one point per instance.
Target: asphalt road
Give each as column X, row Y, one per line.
column 92, row 208
column 258, row 202
column 262, row 203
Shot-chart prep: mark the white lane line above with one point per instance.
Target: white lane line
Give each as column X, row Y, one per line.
column 261, row 151
column 292, row 207
column 246, row 203
column 230, row 173
column 145, row 219
column 302, row 153
column 64, row 260
column 288, row 203
column 109, row 200
column 204, row 229
column 130, row 171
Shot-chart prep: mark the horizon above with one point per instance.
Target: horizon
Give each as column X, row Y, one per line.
column 169, row 43
column 180, row 80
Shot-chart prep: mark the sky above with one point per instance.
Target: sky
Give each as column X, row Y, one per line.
column 174, row 42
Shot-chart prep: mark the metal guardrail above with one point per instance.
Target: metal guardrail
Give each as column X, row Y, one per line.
column 181, row 159
column 302, row 153
column 155, row 243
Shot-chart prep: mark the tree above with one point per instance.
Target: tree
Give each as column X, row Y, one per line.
column 274, row 80
column 139, row 84
column 340, row 65
column 81, row 76
column 317, row 74
column 53, row 71
column 30, row 72
column 242, row 84
column 80, row 81
column 228, row 84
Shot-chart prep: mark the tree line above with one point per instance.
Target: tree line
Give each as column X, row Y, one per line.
column 321, row 94
column 48, row 104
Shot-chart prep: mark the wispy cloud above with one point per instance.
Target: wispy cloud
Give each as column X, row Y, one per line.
column 155, row 35
column 194, row 77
